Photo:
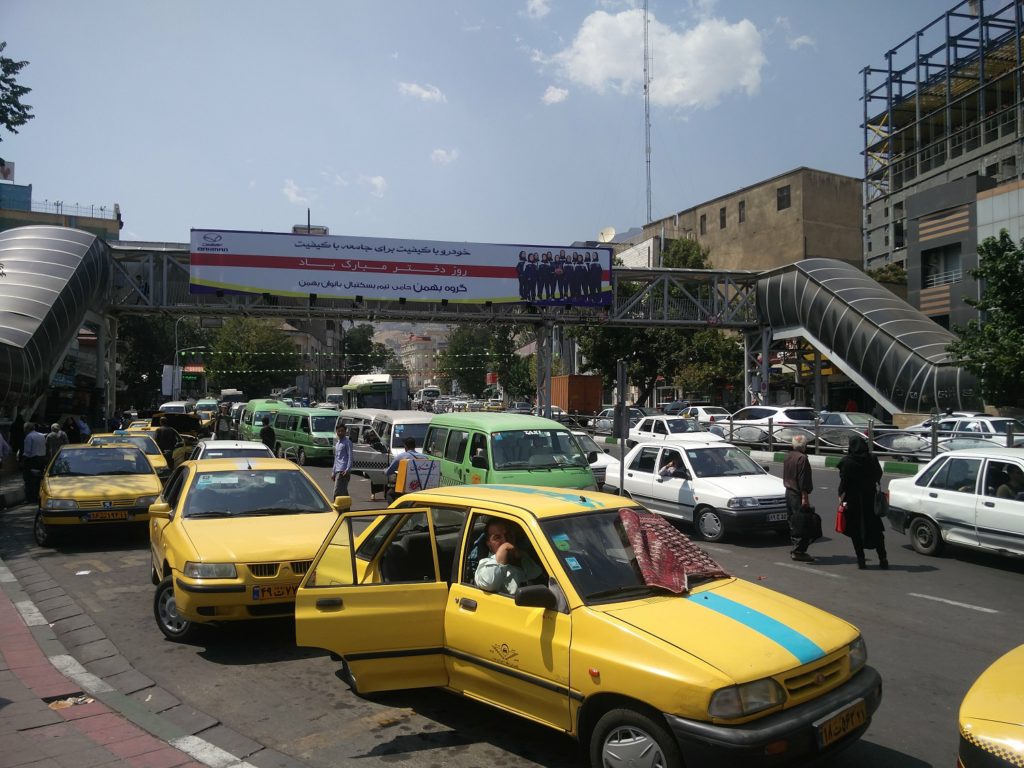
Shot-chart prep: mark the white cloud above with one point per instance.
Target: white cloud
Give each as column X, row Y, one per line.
column 296, row 194
column 334, row 179
column 378, row 184
column 422, row 92
column 537, row 9
column 444, row 156
column 799, row 42
column 693, row 68
column 554, row 95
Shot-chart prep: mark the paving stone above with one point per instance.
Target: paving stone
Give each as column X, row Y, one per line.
column 63, row 612
column 54, row 602
column 168, row 757
column 129, row 681
column 90, row 757
column 97, row 649
column 188, row 719
column 113, row 665
column 36, row 718
column 81, row 636
column 70, row 624
column 231, row 741
column 45, row 591
column 137, row 745
column 155, row 699
column 271, row 758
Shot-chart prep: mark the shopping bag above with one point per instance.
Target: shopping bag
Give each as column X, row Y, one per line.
column 881, row 502
column 841, row 518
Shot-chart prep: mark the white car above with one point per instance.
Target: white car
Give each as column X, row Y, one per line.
column 706, row 414
column 973, row 498
column 229, row 449
column 601, row 465
column 673, row 429
column 718, row 488
column 750, row 424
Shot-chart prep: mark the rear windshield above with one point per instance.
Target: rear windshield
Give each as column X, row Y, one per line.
column 236, row 453
column 86, row 462
column 799, row 414
column 252, row 493
column 145, row 443
column 416, row 431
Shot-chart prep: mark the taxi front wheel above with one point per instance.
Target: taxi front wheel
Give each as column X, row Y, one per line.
column 629, row 737
column 171, row 623
column 709, row 524
column 45, row 537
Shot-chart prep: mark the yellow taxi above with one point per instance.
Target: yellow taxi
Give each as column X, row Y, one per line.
column 231, row 538
column 992, row 716
column 94, row 485
column 140, row 425
column 141, row 440
column 603, row 622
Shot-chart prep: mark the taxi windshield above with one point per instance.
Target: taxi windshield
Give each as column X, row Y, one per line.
column 536, row 449
column 324, row 423
column 140, row 441
column 416, row 431
column 678, row 426
column 722, row 462
column 88, row 462
column 608, row 559
column 251, row 493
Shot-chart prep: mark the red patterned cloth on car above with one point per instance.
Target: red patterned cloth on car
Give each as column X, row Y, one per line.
column 666, row 557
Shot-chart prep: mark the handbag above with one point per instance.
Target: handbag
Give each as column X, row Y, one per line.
column 881, row 502
column 841, row 518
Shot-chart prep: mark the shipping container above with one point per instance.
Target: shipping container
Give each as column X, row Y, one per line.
column 577, row 394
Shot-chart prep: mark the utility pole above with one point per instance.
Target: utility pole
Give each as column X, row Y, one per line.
column 647, row 113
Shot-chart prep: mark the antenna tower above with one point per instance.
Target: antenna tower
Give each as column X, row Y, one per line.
column 647, row 114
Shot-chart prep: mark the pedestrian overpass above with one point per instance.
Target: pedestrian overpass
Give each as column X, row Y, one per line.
column 54, row 279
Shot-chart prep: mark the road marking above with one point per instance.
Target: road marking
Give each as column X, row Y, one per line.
column 72, row 669
column 808, row 569
column 954, row 602
column 32, row 616
column 6, row 576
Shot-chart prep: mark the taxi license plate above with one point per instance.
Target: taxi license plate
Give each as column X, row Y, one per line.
column 273, row 592
column 109, row 515
column 777, row 517
column 832, row 728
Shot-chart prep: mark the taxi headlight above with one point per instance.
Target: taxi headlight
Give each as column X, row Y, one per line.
column 61, row 504
column 209, row 570
column 858, row 654
column 145, row 501
column 740, row 502
column 743, row 700
column 322, row 440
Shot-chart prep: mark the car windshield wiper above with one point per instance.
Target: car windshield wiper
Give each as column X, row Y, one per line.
column 271, row 511
column 632, row 589
column 210, row 513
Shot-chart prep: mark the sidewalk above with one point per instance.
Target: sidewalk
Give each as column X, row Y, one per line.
column 69, row 699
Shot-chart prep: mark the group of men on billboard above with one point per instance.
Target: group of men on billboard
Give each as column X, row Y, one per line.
column 546, row 277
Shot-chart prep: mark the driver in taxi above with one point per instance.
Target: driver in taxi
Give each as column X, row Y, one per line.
column 506, row 568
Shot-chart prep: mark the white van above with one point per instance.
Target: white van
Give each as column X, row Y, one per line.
column 384, row 440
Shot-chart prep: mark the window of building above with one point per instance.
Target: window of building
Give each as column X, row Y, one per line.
column 869, row 218
column 721, row 218
column 782, row 198
column 703, row 224
column 941, row 266
column 743, row 211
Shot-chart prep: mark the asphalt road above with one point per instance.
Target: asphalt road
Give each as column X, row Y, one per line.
column 931, row 625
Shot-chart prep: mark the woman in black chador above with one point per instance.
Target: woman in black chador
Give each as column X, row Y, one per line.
column 859, row 473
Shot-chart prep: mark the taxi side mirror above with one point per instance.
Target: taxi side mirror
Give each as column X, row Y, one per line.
column 342, row 504
column 478, row 462
column 380, row 447
column 537, row 596
column 592, row 457
column 160, row 510
column 682, row 472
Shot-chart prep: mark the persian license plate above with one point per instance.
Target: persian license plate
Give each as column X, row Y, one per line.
column 834, row 727
column 777, row 517
column 109, row 515
column 274, row 592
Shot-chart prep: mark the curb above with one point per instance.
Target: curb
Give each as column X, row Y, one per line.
column 125, row 691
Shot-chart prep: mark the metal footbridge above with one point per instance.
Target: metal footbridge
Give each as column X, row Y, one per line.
column 54, row 278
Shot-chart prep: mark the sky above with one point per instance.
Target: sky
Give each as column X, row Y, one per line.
column 497, row 121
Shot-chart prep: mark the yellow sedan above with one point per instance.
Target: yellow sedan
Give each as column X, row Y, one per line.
column 230, row 539
column 589, row 614
column 141, row 440
column 94, row 485
column 992, row 715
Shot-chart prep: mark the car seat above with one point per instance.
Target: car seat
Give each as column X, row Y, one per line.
column 996, row 478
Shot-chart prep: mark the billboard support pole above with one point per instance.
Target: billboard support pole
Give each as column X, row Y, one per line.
column 544, row 369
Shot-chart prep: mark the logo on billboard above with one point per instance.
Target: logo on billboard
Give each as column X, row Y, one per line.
column 212, row 238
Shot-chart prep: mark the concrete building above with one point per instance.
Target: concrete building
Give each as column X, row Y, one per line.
column 18, row 209
column 419, row 355
column 796, row 215
column 944, row 106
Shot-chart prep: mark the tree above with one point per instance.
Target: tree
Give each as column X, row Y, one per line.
column 711, row 361
column 253, row 355
column 889, row 273
column 13, row 114
column 465, row 360
column 649, row 352
column 993, row 348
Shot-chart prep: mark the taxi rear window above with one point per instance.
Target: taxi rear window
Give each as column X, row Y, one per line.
column 100, row 461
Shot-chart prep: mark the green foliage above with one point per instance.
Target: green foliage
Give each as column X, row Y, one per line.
column 889, row 273
column 993, row 349
column 514, row 372
column 261, row 355
column 465, row 360
column 13, row 114
column 711, row 359
column 685, row 254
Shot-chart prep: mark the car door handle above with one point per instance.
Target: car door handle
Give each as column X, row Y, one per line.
column 329, row 602
column 467, row 603
column 989, row 503
column 933, row 495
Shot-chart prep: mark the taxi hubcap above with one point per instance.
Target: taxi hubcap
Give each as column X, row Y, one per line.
column 169, row 613
column 709, row 524
column 632, row 747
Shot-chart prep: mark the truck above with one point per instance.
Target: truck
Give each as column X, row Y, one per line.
column 577, row 393
column 335, row 396
column 232, row 396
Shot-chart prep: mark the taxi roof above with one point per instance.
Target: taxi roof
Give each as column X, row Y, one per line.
column 495, row 422
column 243, row 462
column 539, row 501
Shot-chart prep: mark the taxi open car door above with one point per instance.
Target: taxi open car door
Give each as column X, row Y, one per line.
column 384, row 614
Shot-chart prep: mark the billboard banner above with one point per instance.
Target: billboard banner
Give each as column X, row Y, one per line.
column 388, row 269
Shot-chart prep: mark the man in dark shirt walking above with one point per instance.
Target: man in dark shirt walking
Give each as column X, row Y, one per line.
column 267, row 434
column 166, row 440
column 796, row 476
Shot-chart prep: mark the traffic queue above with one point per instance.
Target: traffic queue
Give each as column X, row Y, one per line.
column 509, row 578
